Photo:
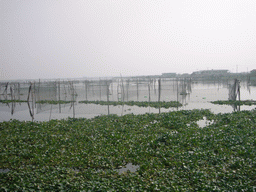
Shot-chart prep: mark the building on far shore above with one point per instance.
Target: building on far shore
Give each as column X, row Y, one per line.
column 168, row 75
column 210, row 74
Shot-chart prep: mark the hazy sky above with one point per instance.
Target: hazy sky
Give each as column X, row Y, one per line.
column 93, row 38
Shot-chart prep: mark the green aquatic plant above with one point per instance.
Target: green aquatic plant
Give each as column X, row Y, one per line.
column 53, row 102
column 15, row 101
column 171, row 152
column 162, row 104
column 231, row 102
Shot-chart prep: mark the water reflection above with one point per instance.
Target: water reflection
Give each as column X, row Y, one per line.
column 65, row 96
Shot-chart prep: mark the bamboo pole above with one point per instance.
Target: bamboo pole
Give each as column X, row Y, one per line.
column 33, row 99
column 159, row 90
column 14, row 96
column 73, row 93
column 177, row 84
column 29, row 89
column 65, row 92
column 112, row 88
column 159, row 93
column 93, row 90
column 117, row 90
column 12, row 109
column 154, row 86
column 38, row 95
column 123, row 95
column 14, row 90
column 5, row 91
column 127, row 89
column 34, row 93
column 50, row 113
column 149, row 99
column 149, row 96
column 137, row 89
column 30, row 111
column 59, row 96
column 107, row 87
column 100, row 88
column 86, row 89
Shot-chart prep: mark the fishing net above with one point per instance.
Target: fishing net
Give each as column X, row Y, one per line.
column 95, row 90
column 55, row 95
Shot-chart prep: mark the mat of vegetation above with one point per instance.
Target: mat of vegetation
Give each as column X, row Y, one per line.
column 161, row 104
column 53, row 102
column 15, row 101
column 230, row 102
column 173, row 153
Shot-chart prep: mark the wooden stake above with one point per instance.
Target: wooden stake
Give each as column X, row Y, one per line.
column 137, row 89
column 177, row 82
column 122, row 88
column 38, row 95
column 159, row 93
column 107, row 87
column 73, row 90
column 127, row 89
column 149, row 92
column 100, row 88
column 59, row 96
column 86, row 89
column 30, row 111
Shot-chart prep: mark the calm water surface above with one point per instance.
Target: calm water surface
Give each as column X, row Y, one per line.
column 199, row 97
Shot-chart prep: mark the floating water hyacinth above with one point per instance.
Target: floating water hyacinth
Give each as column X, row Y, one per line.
column 231, row 102
column 169, row 152
column 161, row 104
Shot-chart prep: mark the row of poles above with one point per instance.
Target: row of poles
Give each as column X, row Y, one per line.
column 35, row 90
column 12, row 91
column 122, row 87
column 14, row 94
column 183, row 87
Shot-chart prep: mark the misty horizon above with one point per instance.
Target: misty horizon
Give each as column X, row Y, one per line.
column 76, row 39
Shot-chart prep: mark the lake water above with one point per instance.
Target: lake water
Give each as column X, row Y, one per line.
column 199, row 96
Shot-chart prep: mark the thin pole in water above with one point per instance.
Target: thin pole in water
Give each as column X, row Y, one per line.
column 29, row 92
column 59, row 97
column 127, row 89
column 137, row 89
column 73, row 93
column 12, row 110
column 38, row 95
column 149, row 95
column 107, row 87
column 100, row 88
column 86, row 88
column 177, row 81
column 159, row 93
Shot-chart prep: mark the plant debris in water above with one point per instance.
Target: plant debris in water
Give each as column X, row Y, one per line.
column 171, row 151
column 161, row 104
